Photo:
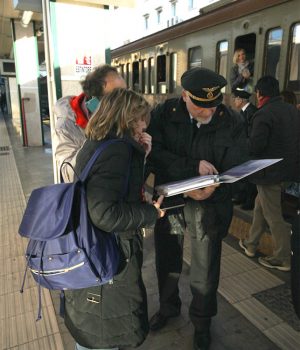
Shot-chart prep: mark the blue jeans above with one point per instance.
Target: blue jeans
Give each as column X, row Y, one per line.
column 79, row 347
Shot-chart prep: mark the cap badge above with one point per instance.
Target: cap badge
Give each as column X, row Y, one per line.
column 210, row 91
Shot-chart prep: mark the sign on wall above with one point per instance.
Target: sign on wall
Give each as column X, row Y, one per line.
column 83, row 65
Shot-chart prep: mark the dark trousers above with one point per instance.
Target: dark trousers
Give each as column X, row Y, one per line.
column 169, row 254
column 206, row 244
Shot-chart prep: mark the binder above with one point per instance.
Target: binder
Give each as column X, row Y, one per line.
column 230, row 176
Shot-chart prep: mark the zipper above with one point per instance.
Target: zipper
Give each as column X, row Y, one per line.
column 56, row 272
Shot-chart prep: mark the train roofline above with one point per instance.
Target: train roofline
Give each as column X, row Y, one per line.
column 219, row 15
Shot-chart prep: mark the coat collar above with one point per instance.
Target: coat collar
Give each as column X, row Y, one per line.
column 179, row 114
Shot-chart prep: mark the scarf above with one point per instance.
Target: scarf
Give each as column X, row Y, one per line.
column 81, row 118
column 263, row 101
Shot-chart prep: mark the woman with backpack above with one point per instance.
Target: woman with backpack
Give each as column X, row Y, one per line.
column 115, row 315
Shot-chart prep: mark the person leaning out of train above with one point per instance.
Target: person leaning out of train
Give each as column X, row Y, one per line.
column 241, row 72
column 119, row 316
column 74, row 112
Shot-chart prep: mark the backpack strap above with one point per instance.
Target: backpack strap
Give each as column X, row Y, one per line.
column 99, row 150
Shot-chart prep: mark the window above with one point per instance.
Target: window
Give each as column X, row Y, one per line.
column 222, row 56
column 158, row 14
column 135, row 76
column 195, row 57
column 128, row 82
column 173, row 8
column 151, row 75
column 173, row 71
column 144, row 77
column 146, row 21
column 273, row 47
column 191, row 4
column 294, row 64
column 161, row 74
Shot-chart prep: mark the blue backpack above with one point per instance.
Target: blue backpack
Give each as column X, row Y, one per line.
column 65, row 250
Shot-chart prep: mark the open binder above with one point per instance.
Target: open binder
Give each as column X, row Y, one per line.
column 232, row 175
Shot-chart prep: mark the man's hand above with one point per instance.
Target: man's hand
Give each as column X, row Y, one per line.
column 202, row 193
column 206, row 168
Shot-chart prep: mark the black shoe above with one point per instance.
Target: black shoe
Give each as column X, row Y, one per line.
column 159, row 321
column 202, row 340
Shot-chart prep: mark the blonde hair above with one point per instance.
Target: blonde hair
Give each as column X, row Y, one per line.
column 118, row 112
column 235, row 55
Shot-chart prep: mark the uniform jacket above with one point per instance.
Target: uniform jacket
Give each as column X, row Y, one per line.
column 177, row 147
column 275, row 134
column 68, row 137
column 119, row 315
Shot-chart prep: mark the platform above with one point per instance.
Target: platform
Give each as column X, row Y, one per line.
column 255, row 310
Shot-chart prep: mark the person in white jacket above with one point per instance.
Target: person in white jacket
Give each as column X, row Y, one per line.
column 73, row 113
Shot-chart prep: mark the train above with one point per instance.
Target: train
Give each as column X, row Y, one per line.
column 268, row 30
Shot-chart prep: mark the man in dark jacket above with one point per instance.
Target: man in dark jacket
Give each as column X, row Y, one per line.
column 246, row 195
column 275, row 134
column 193, row 135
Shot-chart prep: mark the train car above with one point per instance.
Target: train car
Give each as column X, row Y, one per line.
column 269, row 31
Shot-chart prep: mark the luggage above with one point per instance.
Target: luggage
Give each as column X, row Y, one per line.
column 65, row 250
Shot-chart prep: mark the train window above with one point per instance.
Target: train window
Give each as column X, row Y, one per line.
column 121, row 69
column 144, row 77
column 135, row 76
column 195, row 57
column 161, row 74
column 173, row 71
column 273, row 47
column 128, row 74
column 294, row 73
column 222, row 56
column 151, row 75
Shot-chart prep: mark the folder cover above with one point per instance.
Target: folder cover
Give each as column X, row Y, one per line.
column 232, row 175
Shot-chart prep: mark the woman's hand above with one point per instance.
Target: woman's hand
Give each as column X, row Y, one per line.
column 146, row 141
column 202, row 193
column 157, row 204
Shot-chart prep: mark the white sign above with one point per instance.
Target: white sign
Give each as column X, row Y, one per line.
column 83, row 65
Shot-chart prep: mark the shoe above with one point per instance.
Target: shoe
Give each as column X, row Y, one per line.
column 159, row 321
column 202, row 341
column 249, row 251
column 272, row 263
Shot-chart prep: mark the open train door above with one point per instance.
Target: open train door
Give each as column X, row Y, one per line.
column 295, row 262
